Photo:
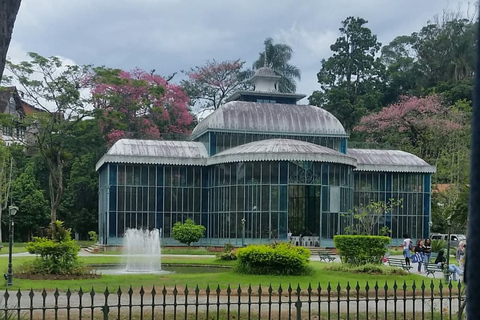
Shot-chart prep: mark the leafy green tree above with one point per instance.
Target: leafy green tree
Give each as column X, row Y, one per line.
column 58, row 94
column 278, row 57
column 33, row 206
column 187, row 232
column 56, row 254
column 351, row 79
column 403, row 69
column 80, row 205
column 366, row 217
column 446, row 50
column 79, row 208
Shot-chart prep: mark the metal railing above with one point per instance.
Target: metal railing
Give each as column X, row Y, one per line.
column 429, row 299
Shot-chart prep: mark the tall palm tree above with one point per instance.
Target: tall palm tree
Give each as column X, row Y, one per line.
column 278, row 56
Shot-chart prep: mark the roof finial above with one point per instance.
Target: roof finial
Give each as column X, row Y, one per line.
column 265, row 64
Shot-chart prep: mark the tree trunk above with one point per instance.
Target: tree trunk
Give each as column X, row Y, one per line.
column 8, row 14
column 1, row 211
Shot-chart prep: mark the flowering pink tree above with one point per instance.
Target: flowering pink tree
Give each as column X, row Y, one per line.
column 209, row 85
column 423, row 125
column 139, row 105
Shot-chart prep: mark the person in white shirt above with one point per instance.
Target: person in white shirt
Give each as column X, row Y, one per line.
column 407, row 243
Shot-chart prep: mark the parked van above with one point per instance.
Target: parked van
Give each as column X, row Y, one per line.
column 454, row 238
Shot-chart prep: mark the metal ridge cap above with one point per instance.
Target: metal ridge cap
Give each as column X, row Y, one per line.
column 409, row 168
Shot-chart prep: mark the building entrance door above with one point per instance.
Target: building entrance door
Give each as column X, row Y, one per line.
column 304, row 210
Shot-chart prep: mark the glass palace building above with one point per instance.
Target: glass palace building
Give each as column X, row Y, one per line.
column 255, row 169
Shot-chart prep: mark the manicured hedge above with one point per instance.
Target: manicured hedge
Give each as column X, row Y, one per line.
column 282, row 258
column 361, row 249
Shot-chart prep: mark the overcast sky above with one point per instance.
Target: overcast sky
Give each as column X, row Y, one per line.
column 174, row 35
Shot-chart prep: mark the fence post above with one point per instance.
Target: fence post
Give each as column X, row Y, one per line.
column 298, row 306
column 106, row 308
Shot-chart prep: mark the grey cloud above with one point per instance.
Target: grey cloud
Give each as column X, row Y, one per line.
column 171, row 35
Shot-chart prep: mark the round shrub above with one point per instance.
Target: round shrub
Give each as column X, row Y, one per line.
column 282, row 259
column 360, row 250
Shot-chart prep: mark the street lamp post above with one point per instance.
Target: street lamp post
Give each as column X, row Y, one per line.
column 12, row 210
column 243, row 231
column 446, row 268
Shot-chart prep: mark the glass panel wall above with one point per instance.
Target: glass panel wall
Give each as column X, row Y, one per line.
column 227, row 140
column 411, row 216
column 276, row 197
column 148, row 197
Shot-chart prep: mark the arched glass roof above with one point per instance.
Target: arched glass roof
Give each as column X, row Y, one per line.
column 281, row 150
column 389, row 161
column 272, row 118
column 155, row 152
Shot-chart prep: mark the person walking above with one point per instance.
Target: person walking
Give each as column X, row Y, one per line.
column 452, row 268
column 419, row 248
column 407, row 244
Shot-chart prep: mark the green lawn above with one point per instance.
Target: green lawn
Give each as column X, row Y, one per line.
column 224, row 278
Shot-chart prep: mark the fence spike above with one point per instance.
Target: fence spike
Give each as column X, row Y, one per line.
column 414, row 286
column 19, row 294
column 440, row 285
column 249, row 289
column 92, row 293
column 130, row 291
column 270, row 289
column 119, row 292
column 164, row 291
column 289, row 288
column 31, row 294
column 69, row 293
column 44, row 293
column 142, row 292
column 175, row 291
column 386, row 285
column 395, row 286
column 259, row 289
column 239, row 290
column 348, row 286
column 229, row 290
column 280, row 289
column 423, row 285
column 404, row 287
column 56, row 293
column 197, row 290
column 153, row 292
column 186, row 290
column 207, row 291
column 329, row 287
column 367, row 287
column 218, row 289
column 338, row 287
column 106, row 292
column 319, row 288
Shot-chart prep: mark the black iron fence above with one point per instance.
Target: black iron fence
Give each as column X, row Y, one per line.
column 425, row 300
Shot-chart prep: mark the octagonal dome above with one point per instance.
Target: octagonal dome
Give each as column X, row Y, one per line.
column 271, row 118
column 282, row 150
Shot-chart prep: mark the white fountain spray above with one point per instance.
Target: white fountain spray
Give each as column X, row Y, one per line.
column 142, row 250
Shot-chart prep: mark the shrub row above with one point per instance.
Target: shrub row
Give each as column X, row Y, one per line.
column 359, row 250
column 282, row 258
